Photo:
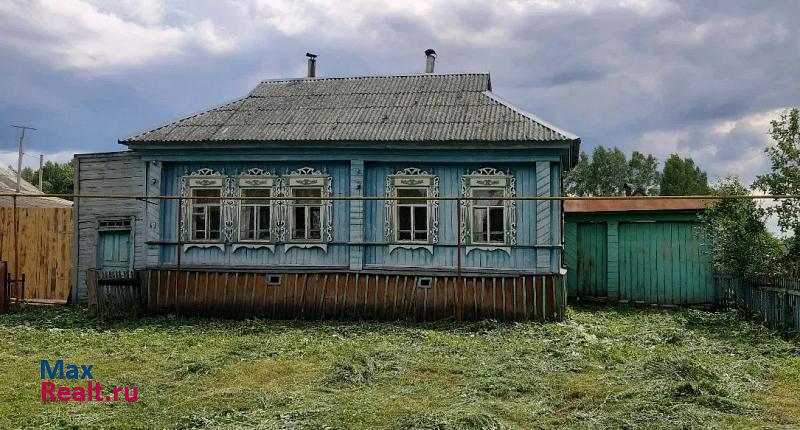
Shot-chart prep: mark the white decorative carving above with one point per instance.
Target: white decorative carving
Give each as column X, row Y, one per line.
column 229, row 210
column 269, row 246
column 310, row 176
column 186, row 192
column 490, row 177
column 411, row 176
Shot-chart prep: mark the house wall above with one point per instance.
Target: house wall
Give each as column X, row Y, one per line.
column 120, row 173
column 358, row 242
column 533, row 252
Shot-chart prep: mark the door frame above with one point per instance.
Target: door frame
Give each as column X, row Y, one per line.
column 119, row 223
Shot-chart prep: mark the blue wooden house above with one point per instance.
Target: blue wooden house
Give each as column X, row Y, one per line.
column 301, row 145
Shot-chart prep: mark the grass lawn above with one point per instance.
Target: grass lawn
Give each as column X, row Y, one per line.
column 604, row 367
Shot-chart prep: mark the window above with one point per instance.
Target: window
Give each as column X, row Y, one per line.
column 206, row 214
column 309, row 212
column 412, row 223
column 412, row 215
column 206, row 220
column 255, row 216
column 488, row 222
column 306, row 214
column 488, row 216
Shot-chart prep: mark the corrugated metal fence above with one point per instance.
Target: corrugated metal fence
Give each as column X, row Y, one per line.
column 773, row 300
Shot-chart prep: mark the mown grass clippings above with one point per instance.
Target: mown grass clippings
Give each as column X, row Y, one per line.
column 604, row 367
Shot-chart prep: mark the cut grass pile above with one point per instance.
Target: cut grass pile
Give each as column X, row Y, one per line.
column 604, row 367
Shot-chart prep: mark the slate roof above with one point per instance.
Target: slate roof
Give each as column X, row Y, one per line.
column 8, row 184
column 429, row 107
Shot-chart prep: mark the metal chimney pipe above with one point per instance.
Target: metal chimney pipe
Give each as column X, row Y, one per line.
column 312, row 64
column 430, row 58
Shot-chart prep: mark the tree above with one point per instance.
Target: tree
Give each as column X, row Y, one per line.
column 608, row 170
column 643, row 173
column 785, row 176
column 740, row 243
column 682, row 178
column 57, row 178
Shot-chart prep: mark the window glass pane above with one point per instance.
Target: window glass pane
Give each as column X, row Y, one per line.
column 213, row 222
column 247, row 223
column 421, row 235
column 199, row 226
column 256, row 192
column 215, row 192
column 404, row 218
column 479, row 225
column 315, row 219
column 263, row 223
column 412, row 192
column 299, row 225
column 404, row 235
column 494, row 192
column 307, row 192
column 421, row 218
column 496, row 224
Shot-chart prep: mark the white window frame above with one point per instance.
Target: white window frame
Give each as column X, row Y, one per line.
column 204, row 179
column 411, row 178
column 257, row 179
column 483, row 179
column 308, row 178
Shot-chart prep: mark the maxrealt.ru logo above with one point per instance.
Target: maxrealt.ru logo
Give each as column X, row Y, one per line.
column 91, row 392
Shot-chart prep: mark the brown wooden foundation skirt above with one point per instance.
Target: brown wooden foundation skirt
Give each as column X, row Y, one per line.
column 355, row 295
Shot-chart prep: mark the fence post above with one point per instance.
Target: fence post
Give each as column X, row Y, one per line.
column 91, row 291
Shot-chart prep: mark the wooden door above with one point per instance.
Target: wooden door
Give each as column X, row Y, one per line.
column 114, row 250
column 592, row 278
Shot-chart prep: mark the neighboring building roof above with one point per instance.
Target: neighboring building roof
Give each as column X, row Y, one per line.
column 428, row 107
column 8, row 184
column 625, row 205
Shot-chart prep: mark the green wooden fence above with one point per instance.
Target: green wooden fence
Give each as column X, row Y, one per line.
column 772, row 300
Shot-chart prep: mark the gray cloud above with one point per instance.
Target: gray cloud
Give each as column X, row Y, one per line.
column 659, row 76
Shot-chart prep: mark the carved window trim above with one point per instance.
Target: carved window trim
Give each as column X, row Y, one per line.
column 257, row 178
column 307, row 177
column 489, row 178
column 206, row 178
column 411, row 177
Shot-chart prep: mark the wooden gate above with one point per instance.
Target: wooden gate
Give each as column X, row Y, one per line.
column 664, row 263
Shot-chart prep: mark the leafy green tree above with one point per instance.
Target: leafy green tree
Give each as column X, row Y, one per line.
column 740, row 242
column 643, row 173
column 682, row 178
column 57, row 178
column 608, row 170
column 785, row 176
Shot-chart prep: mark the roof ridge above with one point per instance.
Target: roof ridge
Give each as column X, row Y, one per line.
column 340, row 78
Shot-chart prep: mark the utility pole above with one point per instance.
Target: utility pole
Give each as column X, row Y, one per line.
column 41, row 168
column 21, row 151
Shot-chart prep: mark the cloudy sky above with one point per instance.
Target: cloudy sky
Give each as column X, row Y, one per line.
column 700, row 78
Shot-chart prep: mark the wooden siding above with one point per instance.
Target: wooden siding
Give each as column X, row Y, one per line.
column 523, row 257
column 663, row 263
column 353, row 295
column 44, row 250
column 120, row 173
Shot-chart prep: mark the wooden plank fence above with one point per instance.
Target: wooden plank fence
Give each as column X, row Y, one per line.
column 3, row 288
column 44, row 250
column 772, row 300
column 114, row 293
